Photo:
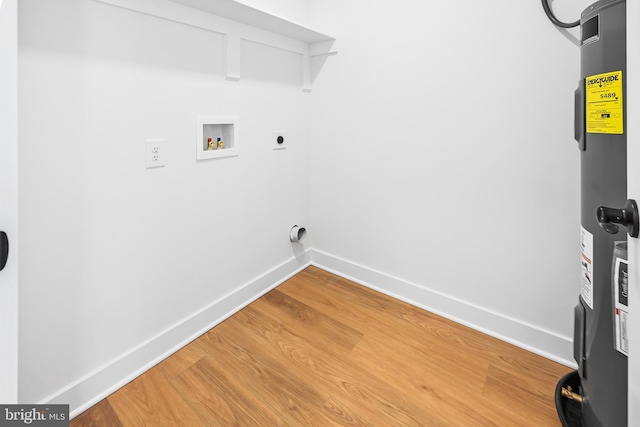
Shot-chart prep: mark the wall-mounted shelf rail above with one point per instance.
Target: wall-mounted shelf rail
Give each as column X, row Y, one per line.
column 238, row 21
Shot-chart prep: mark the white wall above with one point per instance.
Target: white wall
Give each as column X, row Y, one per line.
column 442, row 170
column 443, row 166
column 120, row 264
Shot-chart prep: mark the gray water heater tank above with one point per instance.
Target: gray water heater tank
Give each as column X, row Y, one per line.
column 601, row 134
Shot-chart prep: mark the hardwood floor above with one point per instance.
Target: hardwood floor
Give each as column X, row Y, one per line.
column 320, row 350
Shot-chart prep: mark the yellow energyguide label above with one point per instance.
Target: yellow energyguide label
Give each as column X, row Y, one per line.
column 604, row 111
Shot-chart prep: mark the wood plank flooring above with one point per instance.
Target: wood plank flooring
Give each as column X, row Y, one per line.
column 320, row 350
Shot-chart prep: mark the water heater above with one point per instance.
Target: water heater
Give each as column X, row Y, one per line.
column 600, row 330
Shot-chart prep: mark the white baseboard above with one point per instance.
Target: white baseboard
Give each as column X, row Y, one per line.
column 90, row 389
column 529, row 337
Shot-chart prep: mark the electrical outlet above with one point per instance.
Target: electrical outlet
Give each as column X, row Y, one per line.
column 279, row 139
column 156, row 152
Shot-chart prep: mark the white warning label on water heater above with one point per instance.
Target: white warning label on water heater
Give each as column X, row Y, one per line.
column 621, row 302
column 586, row 271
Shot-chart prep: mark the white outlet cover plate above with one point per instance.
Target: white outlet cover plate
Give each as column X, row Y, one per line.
column 155, row 152
column 276, row 134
